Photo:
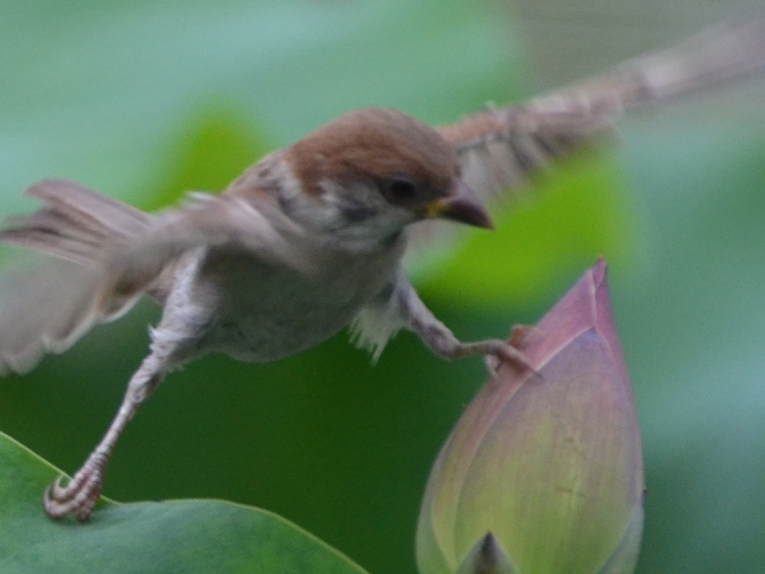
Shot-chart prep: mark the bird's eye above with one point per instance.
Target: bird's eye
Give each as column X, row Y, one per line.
column 400, row 189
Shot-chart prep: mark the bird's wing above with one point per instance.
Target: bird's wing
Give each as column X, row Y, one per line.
column 43, row 309
column 207, row 221
column 104, row 270
column 76, row 224
column 499, row 148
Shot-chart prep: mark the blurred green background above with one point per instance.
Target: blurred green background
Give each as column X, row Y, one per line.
column 143, row 100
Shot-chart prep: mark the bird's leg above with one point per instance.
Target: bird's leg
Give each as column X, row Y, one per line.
column 439, row 339
column 443, row 343
column 79, row 495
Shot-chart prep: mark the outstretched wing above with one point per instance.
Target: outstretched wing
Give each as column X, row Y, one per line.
column 76, row 224
column 43, row 309
column 110, row 255
column 499, row 148
column 206, row 221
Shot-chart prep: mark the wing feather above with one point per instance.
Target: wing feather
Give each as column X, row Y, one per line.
column 499, row 148
column 112, row 254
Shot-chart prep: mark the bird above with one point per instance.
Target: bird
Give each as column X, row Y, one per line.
column 310, row 239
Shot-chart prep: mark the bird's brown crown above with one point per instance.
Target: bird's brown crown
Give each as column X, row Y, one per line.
column 374, row 144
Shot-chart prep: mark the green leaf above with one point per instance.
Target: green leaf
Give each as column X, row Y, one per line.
column 176, row 536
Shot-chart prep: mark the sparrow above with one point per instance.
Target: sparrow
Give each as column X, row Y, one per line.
column 310, row 239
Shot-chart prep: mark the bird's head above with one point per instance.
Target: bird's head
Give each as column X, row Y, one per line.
column 371, row 172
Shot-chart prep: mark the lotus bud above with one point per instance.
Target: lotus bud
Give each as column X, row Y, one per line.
column 543, row 473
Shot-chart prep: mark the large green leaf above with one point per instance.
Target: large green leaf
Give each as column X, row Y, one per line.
column 181, row 536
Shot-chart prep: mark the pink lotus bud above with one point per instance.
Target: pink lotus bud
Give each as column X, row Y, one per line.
column 543, row 474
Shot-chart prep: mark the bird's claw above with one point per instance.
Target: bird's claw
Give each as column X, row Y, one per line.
column 78, row 496
column 509, row 352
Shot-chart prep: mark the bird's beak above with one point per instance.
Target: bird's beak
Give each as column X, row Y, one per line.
column 461, row 205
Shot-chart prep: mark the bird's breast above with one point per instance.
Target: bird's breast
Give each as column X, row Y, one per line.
column 265, row 312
